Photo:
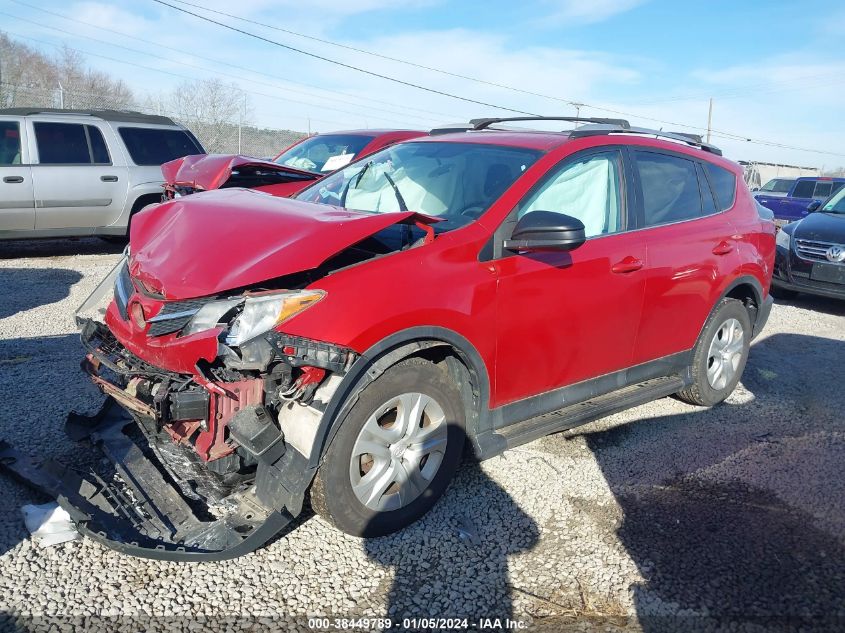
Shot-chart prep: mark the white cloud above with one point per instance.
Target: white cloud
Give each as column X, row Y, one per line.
column 586, row 11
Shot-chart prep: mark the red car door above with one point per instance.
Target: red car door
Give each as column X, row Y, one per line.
column 691, row 251
column 563, row 317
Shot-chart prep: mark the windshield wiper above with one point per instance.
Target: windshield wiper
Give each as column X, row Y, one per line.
column 402, row 206
column 357, row 182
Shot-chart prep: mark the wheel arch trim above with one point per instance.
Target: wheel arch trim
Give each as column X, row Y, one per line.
column 384, row 354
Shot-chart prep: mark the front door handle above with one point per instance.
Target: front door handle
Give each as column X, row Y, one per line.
column 13, row 179
column 108, row 178
column 723, row 248
column 627, row 265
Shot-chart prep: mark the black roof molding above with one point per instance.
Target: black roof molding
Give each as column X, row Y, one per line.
column 481, row 124
column 683, row 137
column 122, row 116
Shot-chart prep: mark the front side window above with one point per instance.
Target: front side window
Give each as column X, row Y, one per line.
column 62, row 144
column 836, row 204
column 778, row 185
column 324, row 152
column 587, row 189
column 10, row 143
column 670, row 188
column 156, row 146
column 456, row 182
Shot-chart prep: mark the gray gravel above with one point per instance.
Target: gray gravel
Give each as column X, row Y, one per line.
column 664, row 517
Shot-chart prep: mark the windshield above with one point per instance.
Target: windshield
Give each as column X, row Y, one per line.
column 456, row 182
column 324, row 152
column 836, row 204
column 778, row 185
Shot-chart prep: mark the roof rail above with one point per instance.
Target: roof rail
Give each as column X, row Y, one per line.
column 123, row 116
column 683, row 137
column 481, row 124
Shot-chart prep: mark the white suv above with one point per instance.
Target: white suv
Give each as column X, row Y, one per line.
column 82, row 172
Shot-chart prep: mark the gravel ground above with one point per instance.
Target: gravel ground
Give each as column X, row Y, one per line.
column 664, row 517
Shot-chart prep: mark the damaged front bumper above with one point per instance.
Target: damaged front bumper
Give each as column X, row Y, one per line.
column 136, row 509
column 176, row 486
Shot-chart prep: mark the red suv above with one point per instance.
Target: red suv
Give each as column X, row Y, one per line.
column 477, row 290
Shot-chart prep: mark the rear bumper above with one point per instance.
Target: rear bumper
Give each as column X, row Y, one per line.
column 133, row 506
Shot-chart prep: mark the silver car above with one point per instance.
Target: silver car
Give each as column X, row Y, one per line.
column 76, row 173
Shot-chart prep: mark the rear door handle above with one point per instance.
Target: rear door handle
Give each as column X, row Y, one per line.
column 627, row 265
column 723, row 248
column 108, row 178
column 13, row 179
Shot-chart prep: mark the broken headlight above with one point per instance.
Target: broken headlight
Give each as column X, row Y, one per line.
column 259, row 313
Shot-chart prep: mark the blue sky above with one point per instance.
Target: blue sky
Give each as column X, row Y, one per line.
column 774, row 69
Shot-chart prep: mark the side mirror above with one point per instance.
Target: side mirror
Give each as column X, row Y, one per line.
column 755, row 188
column 546, row 231
column 815, row 205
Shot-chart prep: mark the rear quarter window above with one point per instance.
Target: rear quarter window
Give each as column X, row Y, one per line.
column 723, row 183
column 154, row 146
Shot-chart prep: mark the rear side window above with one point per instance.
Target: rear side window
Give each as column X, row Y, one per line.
column 804, row 189
column 10, row 143
column 152, row 146
column 823, row 189
column 670, row 188
column 723, row 182
column 707, row 200
column 99, row 151
column 70, row 144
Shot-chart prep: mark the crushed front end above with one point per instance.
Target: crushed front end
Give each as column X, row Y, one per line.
column 207, row 442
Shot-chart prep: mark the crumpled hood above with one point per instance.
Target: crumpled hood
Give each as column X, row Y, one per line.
column 215, row 241
column 211, row 171
column 821, row 226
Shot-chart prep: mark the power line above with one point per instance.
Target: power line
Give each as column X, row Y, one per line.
column 719, row 133
column 222, row 74
column 344, row 65
column 345, row 95
column 381, row 56
column 165, row 72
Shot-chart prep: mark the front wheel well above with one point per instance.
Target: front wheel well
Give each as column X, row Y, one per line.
column 459, row 368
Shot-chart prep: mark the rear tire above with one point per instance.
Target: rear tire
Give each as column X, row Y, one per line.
column 719, row 355
column 395, row 452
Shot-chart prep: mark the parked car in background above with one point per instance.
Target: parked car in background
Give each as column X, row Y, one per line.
column 776, row 187
column 793, row 206
column 82, row 172
column 294, row 168
column 486, row 288
column 811, row 252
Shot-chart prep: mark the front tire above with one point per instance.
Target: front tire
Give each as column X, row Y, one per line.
column 719, row 355
column 395, row 452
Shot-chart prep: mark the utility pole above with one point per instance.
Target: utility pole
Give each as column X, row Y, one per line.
column 61, row 96
column 709, row 118
column 241, row 115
